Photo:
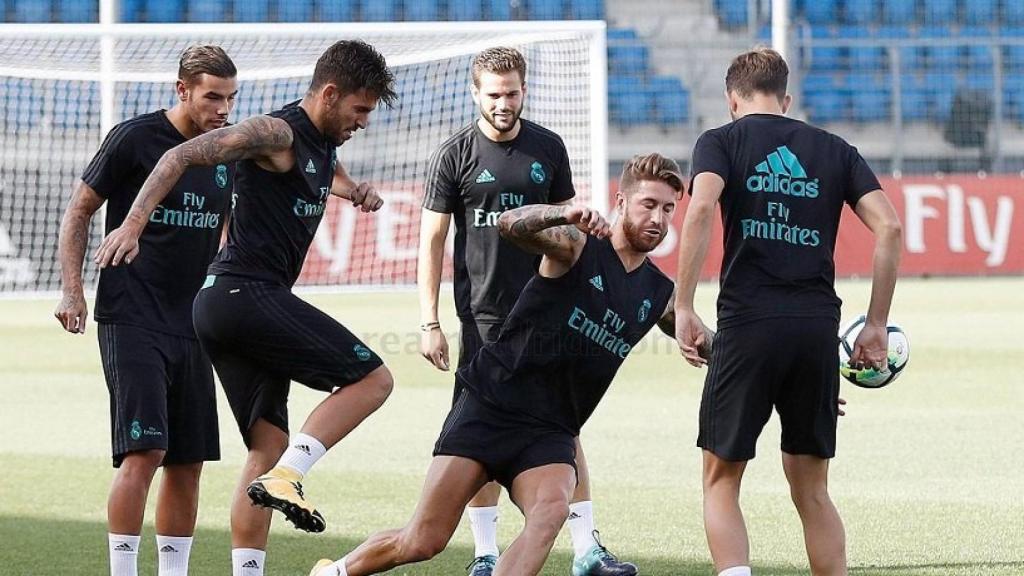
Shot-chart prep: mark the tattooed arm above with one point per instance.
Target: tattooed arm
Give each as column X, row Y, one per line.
column 556, row 232
column 72, row 310
column 260, row 138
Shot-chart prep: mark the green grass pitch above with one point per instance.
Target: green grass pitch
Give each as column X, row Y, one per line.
column 929, row 476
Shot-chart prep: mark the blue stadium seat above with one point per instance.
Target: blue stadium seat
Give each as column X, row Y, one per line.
column 871, row 105
column 911, row 58
column 629, row 102
column 976, row 31
column 733, row 13
column 940, row 11
column 32, row 11
column 1013, row 12
column 1013, row 98
column 671, row 100
column 981, row 12
column 465, row 10
column 207, row 10
column 820, row 83
column 984, row 82
column 586, row 9
column 294, row 10
column 914, row 104
column 130, row 10
column 866, row 81
column 855, row 32
column 862, row 11
column 252, row 11
column 77, row 11
column 943, row 57
column 899, row 11
column 379, row 10
column 821, row 11
column 941, row 87
column 338, row 11
column 619, row 35
column 827, row 58
column 628, row 59
column 1013, row 58
column 165, row 11
column 827, row 106
column 867, row 58
column 422, row 10
column 499, row 9
column 545, row 9
column 980, row 58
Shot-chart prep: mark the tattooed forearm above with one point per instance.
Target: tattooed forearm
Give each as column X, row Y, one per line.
column 74, row 236
column 255, row 137
column 540, row 229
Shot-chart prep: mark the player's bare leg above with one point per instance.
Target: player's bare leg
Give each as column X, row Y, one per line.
column 824, row 536
column 543, row 495
column 126, row 504
column 250, row 524
column 280, row 488
column 723, row 519
column 590, row 557
column 178, row 501
column 451, row 482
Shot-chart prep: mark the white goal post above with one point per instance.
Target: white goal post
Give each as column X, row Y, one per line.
column 62, row 86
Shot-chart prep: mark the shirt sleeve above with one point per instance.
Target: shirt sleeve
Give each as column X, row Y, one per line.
column 112, row 163
column 561, row 187
column 710, row 155
column 860, row 178
column 441, row 191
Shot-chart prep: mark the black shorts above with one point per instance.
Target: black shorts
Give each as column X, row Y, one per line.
column 161, row 395
column 260, row 337
column 472, row 337
column 506, row 445
column 790, row 364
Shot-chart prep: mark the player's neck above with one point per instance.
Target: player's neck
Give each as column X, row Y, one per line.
column 630, row 258
column 179, row 118
column 312, row 109
column 759, row 104
column 495, row 135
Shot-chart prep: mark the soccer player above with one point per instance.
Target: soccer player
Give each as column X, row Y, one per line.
column 163, row 409
column 781, row 184
column 498, row 162
column 526, row 395
column 258, row 334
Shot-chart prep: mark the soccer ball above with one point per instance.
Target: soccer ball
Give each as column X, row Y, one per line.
column 870, row 377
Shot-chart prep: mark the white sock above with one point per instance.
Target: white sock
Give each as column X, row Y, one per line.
column 247, row 562
column 303, row 451
column 736, row 571
column 581, row 527
column 483, row 521
column 124, row 553
column 172, row 554
column 340, row 565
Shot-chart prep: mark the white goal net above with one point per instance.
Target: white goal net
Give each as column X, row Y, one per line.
column 63, row 86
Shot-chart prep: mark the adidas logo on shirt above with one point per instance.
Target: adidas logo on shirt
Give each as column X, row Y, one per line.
column 251, row 564
column 782, row 172
column 597, row 282
column 310, row 167
column 485, row 177
column 124, row 547
column 168, row 549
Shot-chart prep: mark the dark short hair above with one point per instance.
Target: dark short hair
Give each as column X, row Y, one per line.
column 761, row 70
column 653, row 167
column 205, row 59
column 499, row 60
column 354, row 65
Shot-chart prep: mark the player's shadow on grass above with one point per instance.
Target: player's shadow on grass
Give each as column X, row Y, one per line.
column 37, row 547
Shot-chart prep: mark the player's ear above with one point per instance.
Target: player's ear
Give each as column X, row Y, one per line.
column 474, row 91
column 330, row 94
column 787, row 101
column 733, row 101
column 182, row 90
column 620, row 202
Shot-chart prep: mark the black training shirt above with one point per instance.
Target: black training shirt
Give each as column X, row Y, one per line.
column 156, row 290
column 566, row 338
column 276, row 214
column 785, row 186
column 476, row 179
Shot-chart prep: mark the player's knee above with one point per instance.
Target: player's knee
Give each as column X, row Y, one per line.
column 420, row 544
column 142, row 463
column 810, row 498
column 183, row 474
column 547, row 516
column 379, row 384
